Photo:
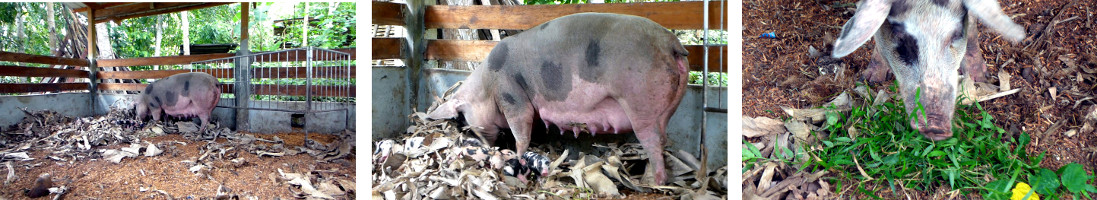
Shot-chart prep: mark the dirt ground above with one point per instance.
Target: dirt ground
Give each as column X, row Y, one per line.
column 101, row 179
column 778, row 71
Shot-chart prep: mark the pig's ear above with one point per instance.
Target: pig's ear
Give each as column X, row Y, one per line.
column 870, row 15
column 992, row 16
column 447, row 110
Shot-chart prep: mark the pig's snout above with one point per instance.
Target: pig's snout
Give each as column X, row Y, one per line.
column 937, row 133
column 936, row 128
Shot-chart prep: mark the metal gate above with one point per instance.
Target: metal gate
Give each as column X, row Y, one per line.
column 319, row 78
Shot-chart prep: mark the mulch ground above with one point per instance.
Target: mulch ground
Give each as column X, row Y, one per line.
column 101, row 179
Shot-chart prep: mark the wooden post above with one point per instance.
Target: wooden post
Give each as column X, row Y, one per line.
column 241, row 89
column 93, row 91
column 417, row 45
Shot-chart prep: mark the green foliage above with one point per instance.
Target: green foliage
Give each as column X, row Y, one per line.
column 1076, row 180
column 1045, row 181
column 8, row 11
column 694, row 37
column 751, row 155
column 35, row 30
column 892, row 153
column 330, row 28
column 716, row 79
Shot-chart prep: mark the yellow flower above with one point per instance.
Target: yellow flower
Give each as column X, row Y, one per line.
column 1020, row 191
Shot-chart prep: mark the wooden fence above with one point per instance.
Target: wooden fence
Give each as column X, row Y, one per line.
column 24, row 71
column 81, row 72
column 672, row 15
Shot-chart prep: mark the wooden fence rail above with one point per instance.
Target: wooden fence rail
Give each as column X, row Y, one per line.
column 41, row 87
column 258, row 89
column 49, row 60
column 181, row 60
column 388, row 13
column 389, row 48
column 261, row 72
column 478, row 50
column 672, row 15
column 10, row 70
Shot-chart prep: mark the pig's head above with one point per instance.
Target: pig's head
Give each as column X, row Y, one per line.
column 144, row 105
column 924, row 43
column 472, row 103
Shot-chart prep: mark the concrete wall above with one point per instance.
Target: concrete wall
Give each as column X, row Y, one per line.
column 68, row 104
column 77, row 105
column 683, row 130
column 390, row 102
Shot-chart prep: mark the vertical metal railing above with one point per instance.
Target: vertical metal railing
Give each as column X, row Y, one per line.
column 705, row 75
column 327, row 81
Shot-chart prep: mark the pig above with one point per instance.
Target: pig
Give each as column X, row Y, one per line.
column 586, row 72
column 181, row 95
column 926, row 44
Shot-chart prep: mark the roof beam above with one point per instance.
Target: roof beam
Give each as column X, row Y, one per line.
column 134, row 10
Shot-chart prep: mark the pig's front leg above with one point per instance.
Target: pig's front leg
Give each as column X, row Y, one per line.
column 518, row 110
column 156, row 113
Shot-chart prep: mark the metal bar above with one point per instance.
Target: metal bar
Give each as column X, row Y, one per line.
column 273, row 52
column 308, row 89
column 704, row 79
column 279, row 109
column 715, row 110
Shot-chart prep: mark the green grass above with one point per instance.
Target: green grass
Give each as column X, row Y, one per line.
column 980, row 157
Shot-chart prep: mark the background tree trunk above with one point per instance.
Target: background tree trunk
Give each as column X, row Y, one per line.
column 159, row 37
column 186, row 32
column 305, row 31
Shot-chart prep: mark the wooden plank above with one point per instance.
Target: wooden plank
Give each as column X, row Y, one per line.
column 122, row 86
column 280, row 72
column 696, row 54
column 299, row 90
column 672, row 15
column 97, row 6
column 459, row 50
column 478, row 50
column 49, row 60
column 294, row 72
column 389, row 48
column 21, row 71
column 297, row 55
column 300, row 55
column 135, row 10
column 261, row 89
column 158, row 74
column 388, row 13
column 41, row 87
column 163, row 60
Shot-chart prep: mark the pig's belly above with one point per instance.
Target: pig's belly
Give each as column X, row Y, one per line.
column 184, row 107
column 588, row 108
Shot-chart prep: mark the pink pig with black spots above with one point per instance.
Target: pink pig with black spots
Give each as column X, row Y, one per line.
column 589, row 72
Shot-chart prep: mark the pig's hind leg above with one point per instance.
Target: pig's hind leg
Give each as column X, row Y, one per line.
column 645, row 119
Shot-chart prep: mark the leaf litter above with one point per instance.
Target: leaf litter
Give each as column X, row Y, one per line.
column 439, row 159
column 221, row 153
